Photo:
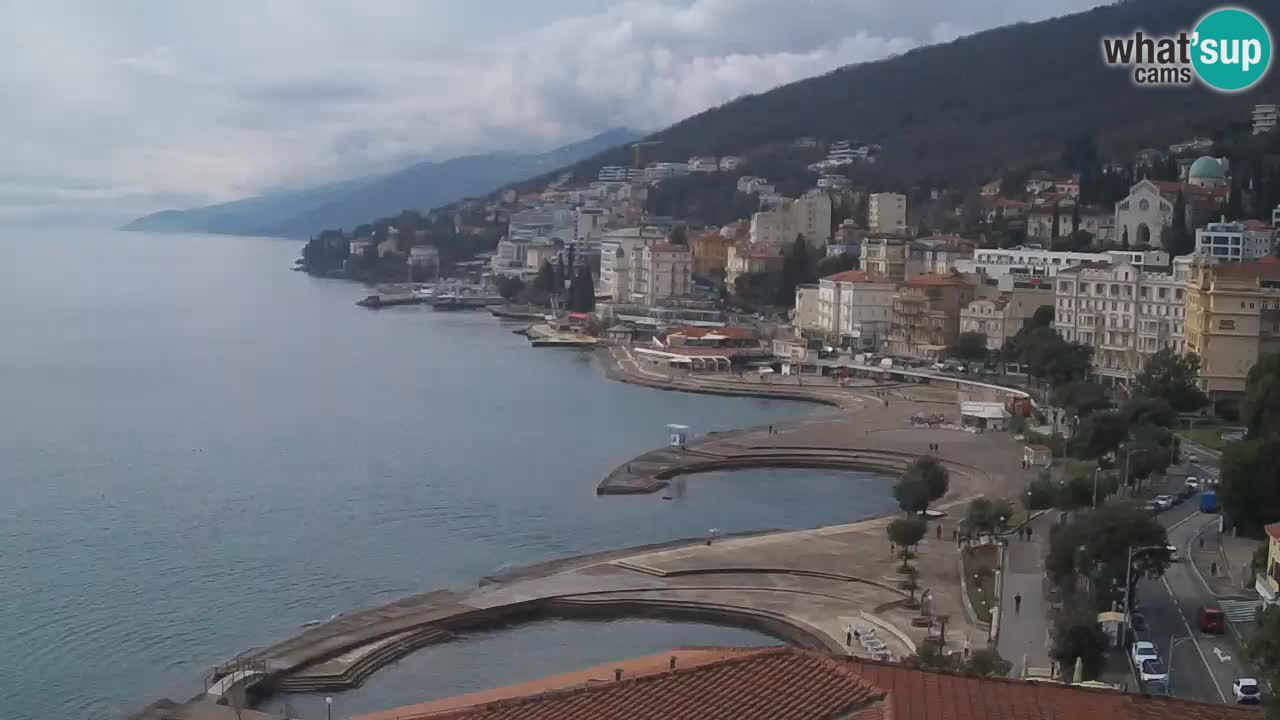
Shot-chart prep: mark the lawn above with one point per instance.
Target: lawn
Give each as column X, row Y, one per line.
column 1209, row 437
column 980, row 564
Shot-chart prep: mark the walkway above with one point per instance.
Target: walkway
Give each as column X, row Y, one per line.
column 1024, row 635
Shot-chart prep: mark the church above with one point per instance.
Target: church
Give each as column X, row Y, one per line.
column 1147, row 213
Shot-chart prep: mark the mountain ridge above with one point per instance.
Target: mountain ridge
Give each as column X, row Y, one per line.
column 345, row 204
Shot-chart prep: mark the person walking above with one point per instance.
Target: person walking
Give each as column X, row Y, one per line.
column 1028, row 532
column 939, row 533
column 848, row 636
column 1017, row 604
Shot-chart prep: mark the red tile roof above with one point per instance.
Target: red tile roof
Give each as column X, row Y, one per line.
column 733, row 333
column 791, row 684
column 850, row 276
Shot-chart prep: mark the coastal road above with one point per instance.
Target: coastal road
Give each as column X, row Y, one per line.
column 1204, row 666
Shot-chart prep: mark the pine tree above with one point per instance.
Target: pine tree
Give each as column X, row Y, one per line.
column 1075, row 218
column 1124, row 239
column 1056, row 226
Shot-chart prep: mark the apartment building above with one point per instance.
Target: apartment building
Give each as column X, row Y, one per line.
column 1001, row 317
column 744, row 258
column 660, row 271
column 926, row 315
column 854, row 309
column 1235, row 241
column 810, row 216
column 1022, row 263
column 1233, row 316
column 616, row 244
column 887, row 213
column 710, row 253
column 884, row 257
column 1126, row 315
column 1265, row 117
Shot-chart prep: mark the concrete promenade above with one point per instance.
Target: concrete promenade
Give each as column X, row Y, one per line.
column 806, row 586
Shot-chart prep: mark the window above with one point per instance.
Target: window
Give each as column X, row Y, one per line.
column 1142, row 292
column 1162, row 293
column 1177, row 294
column 1064, row 287
column 1227, row 324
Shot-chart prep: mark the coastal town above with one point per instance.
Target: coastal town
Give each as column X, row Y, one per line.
column 1068, row 373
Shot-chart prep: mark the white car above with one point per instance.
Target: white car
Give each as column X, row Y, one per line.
column 1247, row 691
column 1193, row 482
column 1173, row 553
column 1144, row 650
column 1153, row 671
column 1164, row 502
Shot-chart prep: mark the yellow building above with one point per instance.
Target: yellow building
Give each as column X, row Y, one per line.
column 710, row 253
column 1233, row 315
column 926, row 315
column 1268, row 581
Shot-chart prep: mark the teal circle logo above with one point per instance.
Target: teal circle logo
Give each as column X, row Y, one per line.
column 1231, row 49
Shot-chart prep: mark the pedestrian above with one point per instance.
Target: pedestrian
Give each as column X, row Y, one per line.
column 848, row 636
column 1213, row 569
column 1201, row 542
column 891, row 548
column 939, row 533
column 954, row 533
column 857, row 634
column 1017, row 604
column 1028, row 532
column 770, row 429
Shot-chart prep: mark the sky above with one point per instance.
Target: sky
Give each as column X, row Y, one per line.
column 112, row 108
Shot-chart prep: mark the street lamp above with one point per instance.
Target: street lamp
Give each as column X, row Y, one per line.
column 1168, row 668
column 1095, row 485
column 328, row 707
column 1128, row 573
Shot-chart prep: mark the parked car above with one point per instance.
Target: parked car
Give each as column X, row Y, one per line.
column 1163, row 501
column 1212, row 620
column 1153, row 671
column 1247, row 691
column 1193, row 482
column 1138, row 622
column 1152, row 507
column 1143, row 651
column 1173, row 553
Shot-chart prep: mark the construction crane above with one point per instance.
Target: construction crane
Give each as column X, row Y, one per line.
column 637, row 146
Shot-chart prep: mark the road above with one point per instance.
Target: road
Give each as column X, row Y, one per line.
column 1024, row 634
column 1203, row 667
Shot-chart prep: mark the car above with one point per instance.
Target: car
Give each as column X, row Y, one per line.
column 1152, row 507
column 1211, row 620
column 1142, row 651
column 1164, row 501
column 1173, row 553
column 1153, row 671
column 1192, row 459
column 1193, row 482
column 1138, row 622
column 1247, row 691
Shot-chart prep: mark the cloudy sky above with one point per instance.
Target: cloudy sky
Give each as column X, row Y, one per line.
column 115, row 107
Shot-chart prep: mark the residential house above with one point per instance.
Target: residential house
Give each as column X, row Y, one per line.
column 710, row 253
column 887, row 213
column 1235, row 241
column 660, row 271
column 1001, row 317
column 1126, row 315
column 1265, row 117
column 747, row 258
column 424, row 260
column 1233, row 316
column 778, row 683
column 1006, row 267
column 810, row 216
column 992, row 189
column 729, row 163
column 855, row 309
column 590, row 222
column 805, row 316
column 884, row 257
column 1267, row 582
column 926, row 315
column 703, row 164
column 624, row 241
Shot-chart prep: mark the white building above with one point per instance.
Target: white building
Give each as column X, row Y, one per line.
column 887, row 213
column 703, row 164
column 1000, row 318
column 809, row 216
column 626, row 240
column 663, row 170
column 729, row 163
column 1143, row 215
column 1022, row 263
column 1124, row 314
column 613, row 173
column 1265, row 117
column 424, row 256
column 805, row 317
column 660, row 271
column 590, row 223
column 1235, row 241
column 855, row 308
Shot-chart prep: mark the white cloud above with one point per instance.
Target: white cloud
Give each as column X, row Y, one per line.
column 218, row 100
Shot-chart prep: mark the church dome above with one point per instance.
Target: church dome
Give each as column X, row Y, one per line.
column 1206, row 168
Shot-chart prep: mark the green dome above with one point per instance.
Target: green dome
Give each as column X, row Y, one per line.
column 1206, row 167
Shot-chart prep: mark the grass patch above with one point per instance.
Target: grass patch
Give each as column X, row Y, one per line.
column 1209, row 437
column 980, row 564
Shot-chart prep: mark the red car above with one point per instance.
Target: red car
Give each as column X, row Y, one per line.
column 1212, row 620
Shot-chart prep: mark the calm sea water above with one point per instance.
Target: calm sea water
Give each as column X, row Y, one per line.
column 200, row 450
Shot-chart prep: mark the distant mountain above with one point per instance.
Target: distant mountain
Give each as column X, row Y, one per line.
column 964, row 110
column 422, row 186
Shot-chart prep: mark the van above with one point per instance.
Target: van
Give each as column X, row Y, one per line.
column 1212, row 620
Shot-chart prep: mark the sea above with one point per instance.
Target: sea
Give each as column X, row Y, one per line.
column 200, row 451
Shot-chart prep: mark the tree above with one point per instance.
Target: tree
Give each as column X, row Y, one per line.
column 582, row 292
column 1148, row 411
column 1056, row 223
column 1081, row 398
column 912, row 493
column 546, row 279
column 971, row 346
column 1041, row 494
column 985, row 662
column 1262, row 397
column 1099, row 434
column 1124, row 239
column 1075, row 219
column 988, row 516
column 1180, row 241
column 509, row 287
column 1171, row 376
column 678, row 236
column 836, row 264
column 1077, row 635
column 1263, row 646
column 906, row 533
column 933, row 473
column 1096, row 543
column 1250, row 484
